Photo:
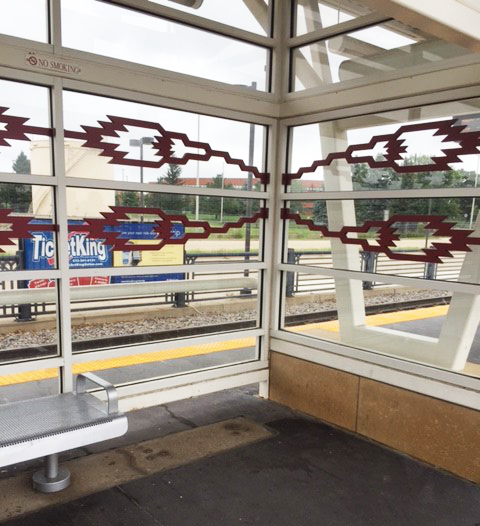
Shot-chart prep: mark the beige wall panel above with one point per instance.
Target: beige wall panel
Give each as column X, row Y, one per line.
column 438, row 432
column 320, row 391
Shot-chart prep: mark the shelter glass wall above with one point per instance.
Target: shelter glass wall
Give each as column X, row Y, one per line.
column 94, row 27
column 397, row 224
column 143, row 153
column 132, row 234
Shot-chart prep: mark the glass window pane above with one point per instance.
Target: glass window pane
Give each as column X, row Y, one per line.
column 137, row 310
column 124, row 34
column 433, row 238
column 25, row 133
column 238, row 14
column 109, row 227
column 27, row 385
column 370, row 53
column 33, row 305
column 422, row 147
column 411, row 323
column 27, row 229
column 177, row 360
column 24, row 19
column 311, row 16
column 126, row 141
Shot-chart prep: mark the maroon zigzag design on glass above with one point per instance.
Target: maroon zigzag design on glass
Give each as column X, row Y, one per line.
column 16, row 129
column 102, row 228
column 20, row 227
column 386, row 235
column 468, row 144
column 163, row 142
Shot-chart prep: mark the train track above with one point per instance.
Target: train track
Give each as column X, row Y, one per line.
column 329, row 315
column 26, row 353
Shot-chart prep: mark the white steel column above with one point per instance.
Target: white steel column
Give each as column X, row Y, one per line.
column 64, row 325
column 337, row 176
column 464, row 311
column 349, row 293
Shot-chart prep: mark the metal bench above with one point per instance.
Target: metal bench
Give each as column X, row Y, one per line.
column 46, row 426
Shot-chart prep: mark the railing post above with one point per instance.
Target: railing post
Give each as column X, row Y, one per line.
column 290, row 275
column 430, row 271
column 369, row 264
column 246, row 291
column 180, row 297
column 25, row 309
column 180, row 300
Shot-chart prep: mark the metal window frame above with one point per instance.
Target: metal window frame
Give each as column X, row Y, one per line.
column 452, row 386
column 278, row 111
column 362, row 22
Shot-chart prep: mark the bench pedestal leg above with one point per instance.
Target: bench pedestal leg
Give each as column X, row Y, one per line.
column 52, row 478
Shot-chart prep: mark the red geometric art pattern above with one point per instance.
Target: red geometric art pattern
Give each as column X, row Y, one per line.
column 19, row 228
column 16, row 129
column 15, row 227
column 453, row 130
column 102, row 228
column 386, row 235
column 94, row 137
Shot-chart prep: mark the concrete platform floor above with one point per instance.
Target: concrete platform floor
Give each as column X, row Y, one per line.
column 304, row 473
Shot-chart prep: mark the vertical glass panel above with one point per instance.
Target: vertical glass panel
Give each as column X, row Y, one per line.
column 109, row 228
column 25, row 133
column 28, row 385
column 25, row 19
column 153, row 364
column 412, row 323
column 432, row 238
column 310, row 16
column 142, row 143
column 27, row 229
column 28, row 318
column 370, row 53
column 124, row 34
column 249, row 16
column 137, row 309
column 433, row 146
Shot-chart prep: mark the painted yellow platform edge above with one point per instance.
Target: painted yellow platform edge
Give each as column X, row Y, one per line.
column 207, row 348
column 380, row 319
column 132, row 359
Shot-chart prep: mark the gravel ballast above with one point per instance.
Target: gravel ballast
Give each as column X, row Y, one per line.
column 90, row 331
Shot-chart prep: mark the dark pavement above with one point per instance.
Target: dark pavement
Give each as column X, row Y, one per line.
column 308, row 473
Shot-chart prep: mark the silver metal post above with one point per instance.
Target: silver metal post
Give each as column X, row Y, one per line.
column 52, row 466
column 52, row 478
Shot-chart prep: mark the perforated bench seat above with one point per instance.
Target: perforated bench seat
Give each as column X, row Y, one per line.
column 47, row 426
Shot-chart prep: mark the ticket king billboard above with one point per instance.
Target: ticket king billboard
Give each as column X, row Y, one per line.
column 85, row 252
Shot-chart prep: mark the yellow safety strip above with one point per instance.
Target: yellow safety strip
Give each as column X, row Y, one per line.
column 207, row 348
column 132, row 359
column 380, row 319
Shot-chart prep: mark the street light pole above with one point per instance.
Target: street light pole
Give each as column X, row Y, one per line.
column 248, row 208
column 197, row 200
column 140, row 143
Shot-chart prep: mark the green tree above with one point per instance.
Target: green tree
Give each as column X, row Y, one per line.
column 17, row 196
column 172, row 203
column 213, row 205
column 128, row 198
column 297, row 207
column 21, row 165
column 359, row 175
column 320, row 213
